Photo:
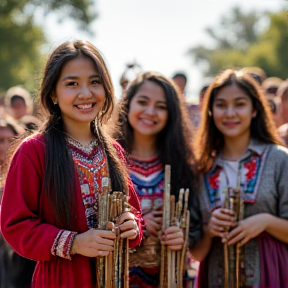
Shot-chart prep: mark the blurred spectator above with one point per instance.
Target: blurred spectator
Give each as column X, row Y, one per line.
column 270, row 85
column 15, row 271
column 282, row 92
column 130, row 73
column 180, row 79
column 30, row 122
column 18, row 102
column 256, row 72
column 275, row 107
column 8, row 130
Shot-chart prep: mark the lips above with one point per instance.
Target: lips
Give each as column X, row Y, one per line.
column 231, row 124
column 147, row 121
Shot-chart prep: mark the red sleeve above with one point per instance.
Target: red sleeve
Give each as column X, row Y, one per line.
column 133, row 200
column 21, row 210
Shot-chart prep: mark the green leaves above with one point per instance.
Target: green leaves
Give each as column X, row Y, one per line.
column 21, row 39
column 250, row 39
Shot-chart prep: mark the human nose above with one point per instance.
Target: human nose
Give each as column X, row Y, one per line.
column 230, row 111
column 85, row 93
column 150, row 110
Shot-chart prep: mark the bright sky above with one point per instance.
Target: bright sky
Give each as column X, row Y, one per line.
column 155, row 33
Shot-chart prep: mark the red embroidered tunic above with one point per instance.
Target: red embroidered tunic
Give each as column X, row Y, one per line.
column 28, row 221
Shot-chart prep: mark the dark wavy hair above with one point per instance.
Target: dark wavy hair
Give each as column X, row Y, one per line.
column 60, row 175
column 174, row 141
column 209, row 140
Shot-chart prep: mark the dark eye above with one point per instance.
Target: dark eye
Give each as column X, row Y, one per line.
column 71, row 83
column 220, row 105
column 240, row 104
column 162, row 107
column 141, row 102
column 96, row 81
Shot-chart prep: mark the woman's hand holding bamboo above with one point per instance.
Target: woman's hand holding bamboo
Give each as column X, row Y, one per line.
column 128, row 226
column 173, row 237
column 220, row 222
column 153, row 221
column 93, row 243
column 247, row 229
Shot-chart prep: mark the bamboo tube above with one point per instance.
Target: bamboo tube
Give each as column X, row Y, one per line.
column 126, row 269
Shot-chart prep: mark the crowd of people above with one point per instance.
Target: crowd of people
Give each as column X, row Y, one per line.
column 58, row 156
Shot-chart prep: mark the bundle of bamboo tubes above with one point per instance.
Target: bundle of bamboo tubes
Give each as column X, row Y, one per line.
column 172, row 262
column 112, row 271
column 233, row 256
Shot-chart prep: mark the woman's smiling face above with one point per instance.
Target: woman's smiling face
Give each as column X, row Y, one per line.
column 233, row 112
column 79, row 91
column 148, row 114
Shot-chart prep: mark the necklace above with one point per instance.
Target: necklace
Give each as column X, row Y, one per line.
column 74, row 142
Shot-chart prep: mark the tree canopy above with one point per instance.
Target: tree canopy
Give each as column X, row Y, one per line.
column 21, row 39
column 239, row 41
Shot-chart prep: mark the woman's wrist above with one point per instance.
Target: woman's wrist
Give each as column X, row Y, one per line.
column 73, row 250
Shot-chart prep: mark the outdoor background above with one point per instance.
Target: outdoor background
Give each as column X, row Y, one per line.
column 161, row 35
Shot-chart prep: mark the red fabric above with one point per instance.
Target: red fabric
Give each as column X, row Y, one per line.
column 28, row 222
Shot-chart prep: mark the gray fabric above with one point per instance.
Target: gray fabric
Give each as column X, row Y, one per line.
column 272, row 198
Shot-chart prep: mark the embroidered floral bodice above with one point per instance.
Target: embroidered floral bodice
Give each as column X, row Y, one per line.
column 91, row 166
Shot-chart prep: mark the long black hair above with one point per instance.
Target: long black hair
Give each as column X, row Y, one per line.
column 174, row 141
column 60, row 178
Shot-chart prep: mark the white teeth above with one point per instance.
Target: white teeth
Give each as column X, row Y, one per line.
column 147, row 121
column 86, row 106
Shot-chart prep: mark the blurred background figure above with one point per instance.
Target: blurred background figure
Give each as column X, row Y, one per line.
column 130, row 73
column 15, row 271
column 270, row 85
column 274, row 103
column 19, row 106
column 282, row 93
column 257, row 73
column 180, row 79
column 8, row 130
column 30, row 122
column 18, row 102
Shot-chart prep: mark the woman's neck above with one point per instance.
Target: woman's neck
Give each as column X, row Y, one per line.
column 81, row 133
column 234, row 148
column 144, row 147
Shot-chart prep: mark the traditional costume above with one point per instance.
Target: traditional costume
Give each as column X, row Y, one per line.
column 261, row 175
column 28, row 221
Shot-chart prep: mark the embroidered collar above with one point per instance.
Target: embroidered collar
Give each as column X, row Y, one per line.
column 251, row 164
column 254, row 147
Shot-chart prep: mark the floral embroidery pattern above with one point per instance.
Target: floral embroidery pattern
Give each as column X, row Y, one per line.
column 250, row 168
column 211, row 180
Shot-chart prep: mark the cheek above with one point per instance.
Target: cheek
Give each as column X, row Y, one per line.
column 164, row 118
column 131, row 116
column 217, row 116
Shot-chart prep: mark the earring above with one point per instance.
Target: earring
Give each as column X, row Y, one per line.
column 55, row 101
column 209, row 113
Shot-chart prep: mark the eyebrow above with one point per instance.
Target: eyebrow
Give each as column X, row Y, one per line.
column 238, row 98
column 147, row 98
column 76, row 77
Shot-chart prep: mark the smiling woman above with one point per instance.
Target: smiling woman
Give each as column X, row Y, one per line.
column 58, row 176
column 245, row 192
column 80, row 95
column 154, row 129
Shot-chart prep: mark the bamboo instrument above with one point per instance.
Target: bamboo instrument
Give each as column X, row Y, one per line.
column 233, row 256
column 174, row 214
column 112, row 269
